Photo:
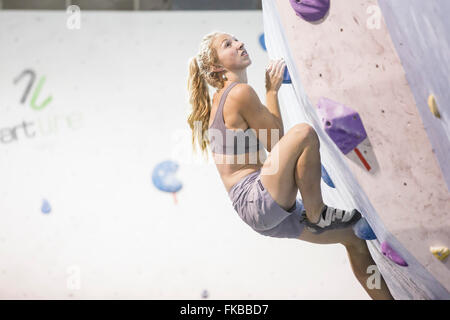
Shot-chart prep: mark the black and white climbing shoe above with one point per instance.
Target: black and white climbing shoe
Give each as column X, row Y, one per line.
column 331, row 218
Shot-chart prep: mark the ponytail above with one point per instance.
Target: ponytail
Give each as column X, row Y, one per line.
column 201, row 106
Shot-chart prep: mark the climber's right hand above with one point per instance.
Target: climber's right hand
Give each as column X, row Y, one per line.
column 274, row 74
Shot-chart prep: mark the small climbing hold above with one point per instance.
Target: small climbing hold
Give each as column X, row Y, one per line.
column 262, row 41
column 440, row 252
column 326, row 178
column 389, row 252
column 164, row 179
column 286, row 76
column 363, row 230
column 46, row 208
column 433, row 106
column 205, row 294
column 310, row 10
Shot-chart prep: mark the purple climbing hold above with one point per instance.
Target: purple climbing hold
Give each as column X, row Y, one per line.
column 311, row 10
column 389, row 252
column 342, row 124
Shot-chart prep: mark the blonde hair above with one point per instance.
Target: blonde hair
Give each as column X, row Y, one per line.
column 200, row 75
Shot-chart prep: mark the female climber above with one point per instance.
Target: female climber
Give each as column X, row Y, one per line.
column 263, row 188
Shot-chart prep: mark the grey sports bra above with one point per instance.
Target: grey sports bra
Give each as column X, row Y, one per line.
column 228, row 141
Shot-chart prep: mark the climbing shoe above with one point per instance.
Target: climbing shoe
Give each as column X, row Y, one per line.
column 331, row 218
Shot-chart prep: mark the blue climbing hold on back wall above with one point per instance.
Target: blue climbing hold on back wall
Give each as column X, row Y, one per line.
column 262, row 41
column 45, row 207
column 163, row 176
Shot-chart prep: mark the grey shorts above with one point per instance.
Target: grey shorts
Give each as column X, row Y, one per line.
column 256, row 207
